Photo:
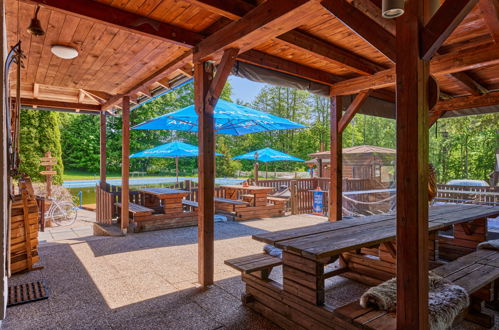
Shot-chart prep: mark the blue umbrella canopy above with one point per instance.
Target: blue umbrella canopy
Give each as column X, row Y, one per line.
column 230, row 118
column 170, row 150
column 269, row 155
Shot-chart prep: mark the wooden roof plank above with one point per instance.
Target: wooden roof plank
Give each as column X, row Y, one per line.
column 363, row 26
column 233, row 10
column 490, row 12
column 442, row 24
column 466, row 102
column 61, row 105
column 468, row 83
column 158, row 75
column 124, row 19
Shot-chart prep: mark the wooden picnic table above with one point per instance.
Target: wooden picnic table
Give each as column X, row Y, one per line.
column 366, row 248
column 259, row 193
column 166, row 199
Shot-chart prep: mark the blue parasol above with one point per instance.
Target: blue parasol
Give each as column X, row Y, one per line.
column 170, row 150
column 268, row 155
column 230, row 118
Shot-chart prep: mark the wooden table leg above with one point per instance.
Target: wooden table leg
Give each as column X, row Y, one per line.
column 304, row 278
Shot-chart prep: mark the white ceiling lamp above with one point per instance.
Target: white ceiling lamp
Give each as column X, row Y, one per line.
column 392, row 8
column 64, row 52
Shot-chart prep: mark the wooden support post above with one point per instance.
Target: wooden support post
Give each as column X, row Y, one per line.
column 207, row 90
column 206, row 173
column 103, row 150
column 335, row 185
column 412, row 169
column 125, row 162
column 255, row 171
column 319, row 167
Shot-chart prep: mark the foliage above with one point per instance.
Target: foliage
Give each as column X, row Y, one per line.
column 40, row 134
column 461, row 147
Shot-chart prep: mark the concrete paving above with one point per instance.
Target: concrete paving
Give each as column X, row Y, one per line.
column 148, row 281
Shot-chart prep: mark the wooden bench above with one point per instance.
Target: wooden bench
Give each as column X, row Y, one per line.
column 477, row 273
column 259, row 264
column 229, row 206
column 190, row 204
column 248, row 198
column 136, row 209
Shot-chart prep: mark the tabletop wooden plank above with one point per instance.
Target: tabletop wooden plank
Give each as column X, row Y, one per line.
column 273, row 237
column 163, row 191
column 241, row 187
column 330, row 239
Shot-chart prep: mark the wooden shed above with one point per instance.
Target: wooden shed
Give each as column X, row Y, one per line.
column 359, row 162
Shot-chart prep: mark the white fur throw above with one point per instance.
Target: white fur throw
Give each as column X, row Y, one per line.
column 446, row 300
column 491, row 245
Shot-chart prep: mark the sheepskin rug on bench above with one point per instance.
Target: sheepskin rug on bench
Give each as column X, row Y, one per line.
column 446, row 300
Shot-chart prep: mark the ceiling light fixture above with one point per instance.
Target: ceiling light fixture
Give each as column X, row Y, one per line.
column 35, row 27
column 64, row 52
column 392, row 8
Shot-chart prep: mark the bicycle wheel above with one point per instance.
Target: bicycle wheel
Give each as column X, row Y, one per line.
column 64, row 213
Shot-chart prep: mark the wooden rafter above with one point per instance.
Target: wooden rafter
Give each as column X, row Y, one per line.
column 443, row 64
column 100, row 97
column 433, row 117
column 329, row 52
column 370, row 9
column 352, row 109
column 363, row 26
column 264, row 22
column 468, row 83
column 158, row 75
column 36, row 90
column 81, row 96
column 443, row 22
column 60, row 105
column 490, row 12
column 124, row 20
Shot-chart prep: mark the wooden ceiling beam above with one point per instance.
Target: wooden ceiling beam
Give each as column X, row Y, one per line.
column 490, row 12
column 297, row 39
column 156, row 76
column 468, row 59
column 469, row 84
column 363, row 26
column 60, row 105
column 353, row 108
column 371, row 10
column 279, row 64
column 266, row 21
column 328, row 52
column 442, row 23
column 125, row 20
column 466, row 102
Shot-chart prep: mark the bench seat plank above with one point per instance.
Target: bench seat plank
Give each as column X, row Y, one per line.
column 137, row 209
column 190, row 203
column 253, row 263
column 230, row 201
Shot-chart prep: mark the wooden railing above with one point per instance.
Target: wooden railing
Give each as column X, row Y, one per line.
column 468, row 194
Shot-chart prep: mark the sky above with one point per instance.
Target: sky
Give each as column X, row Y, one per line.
column 244, row 89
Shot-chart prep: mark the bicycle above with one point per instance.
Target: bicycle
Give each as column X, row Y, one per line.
column 62, row 213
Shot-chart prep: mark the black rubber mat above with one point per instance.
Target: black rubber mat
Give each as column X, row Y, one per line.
column 26, row 293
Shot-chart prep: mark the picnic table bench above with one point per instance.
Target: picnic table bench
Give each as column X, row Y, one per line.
column 367, row 253
column 136, row 209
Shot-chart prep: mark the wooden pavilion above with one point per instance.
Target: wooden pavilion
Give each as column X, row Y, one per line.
column 359, row 162
column 131, row 50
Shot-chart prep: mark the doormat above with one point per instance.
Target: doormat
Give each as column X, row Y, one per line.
column 26, row 293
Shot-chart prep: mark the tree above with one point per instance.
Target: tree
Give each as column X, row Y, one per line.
column 40, row 133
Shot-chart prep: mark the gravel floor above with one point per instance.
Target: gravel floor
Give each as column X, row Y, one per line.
column 148, row 281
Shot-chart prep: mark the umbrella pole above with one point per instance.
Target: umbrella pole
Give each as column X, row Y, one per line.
column 256, row 173
column 266, row 171
column 176, row 166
